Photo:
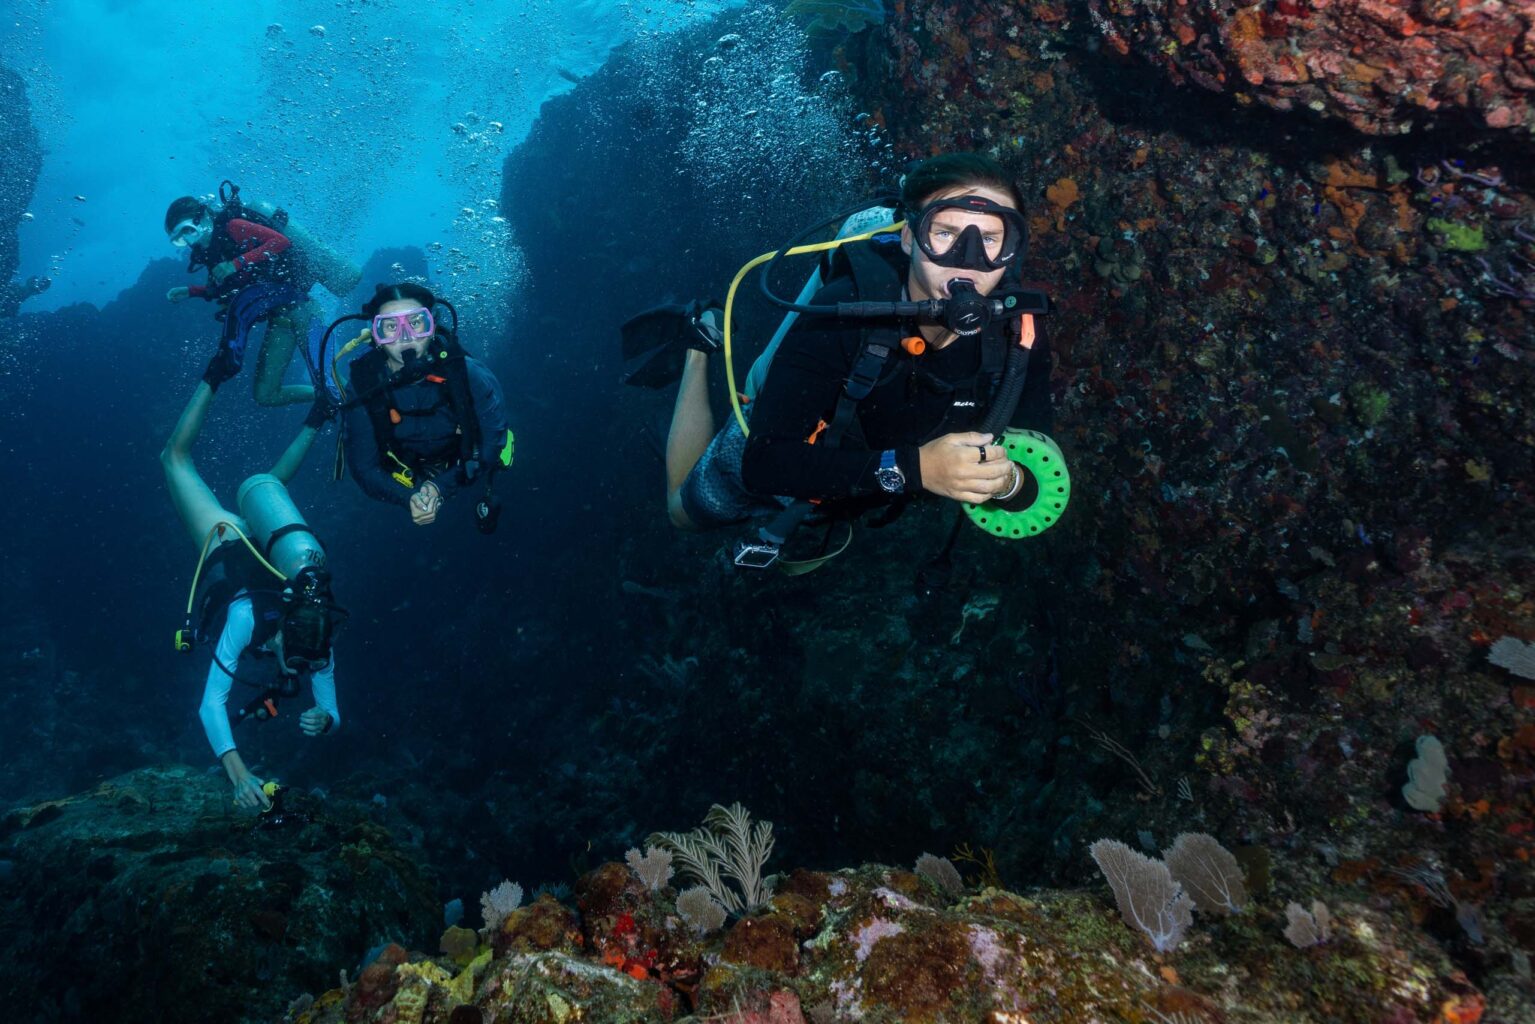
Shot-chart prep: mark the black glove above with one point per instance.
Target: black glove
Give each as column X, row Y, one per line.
column 321, row 413
column 221, row 367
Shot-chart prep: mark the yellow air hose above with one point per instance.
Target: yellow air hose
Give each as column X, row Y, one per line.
column 184, row 642
column 730, row 300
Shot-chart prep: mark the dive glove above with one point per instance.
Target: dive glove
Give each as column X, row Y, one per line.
column 221, row 367
column 320, row 413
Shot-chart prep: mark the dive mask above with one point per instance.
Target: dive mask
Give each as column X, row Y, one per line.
column 190, row 232
column 309, row 661
column 309, row 589
column 950, row 242
column 411, row 325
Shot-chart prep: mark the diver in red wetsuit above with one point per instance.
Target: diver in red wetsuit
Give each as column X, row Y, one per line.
column 255, row 273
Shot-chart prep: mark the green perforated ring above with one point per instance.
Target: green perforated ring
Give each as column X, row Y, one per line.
column 1040, row 455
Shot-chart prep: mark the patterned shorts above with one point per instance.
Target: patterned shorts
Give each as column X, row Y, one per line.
column 713, row 493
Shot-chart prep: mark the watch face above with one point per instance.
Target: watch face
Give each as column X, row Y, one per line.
column 891, row 480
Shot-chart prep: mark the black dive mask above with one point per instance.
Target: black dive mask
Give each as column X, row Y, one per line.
column 309, row 589
column 972, row 249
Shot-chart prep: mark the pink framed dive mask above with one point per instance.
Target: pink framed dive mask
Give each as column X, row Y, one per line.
column 411, row 325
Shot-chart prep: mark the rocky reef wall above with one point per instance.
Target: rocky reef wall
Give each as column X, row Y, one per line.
column 148, row 898
column 1293, row 353
column 1384, row 67
column 19, row 170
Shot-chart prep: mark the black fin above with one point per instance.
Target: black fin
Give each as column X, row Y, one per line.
column 655, row 343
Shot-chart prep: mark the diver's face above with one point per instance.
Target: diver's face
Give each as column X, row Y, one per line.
column 192, row 232
column 291, row 664
column 928, row 280
column 397, row 347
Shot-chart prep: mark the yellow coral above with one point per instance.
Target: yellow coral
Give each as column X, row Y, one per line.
column 416, row 982
column 462, row 986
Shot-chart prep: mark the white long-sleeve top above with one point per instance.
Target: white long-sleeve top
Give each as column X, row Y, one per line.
column 239, row 626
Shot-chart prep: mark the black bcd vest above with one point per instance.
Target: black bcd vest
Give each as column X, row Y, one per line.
column 229, row 570
column 444, row 366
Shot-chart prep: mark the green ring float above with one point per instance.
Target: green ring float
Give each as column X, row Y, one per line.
column 1042, row 457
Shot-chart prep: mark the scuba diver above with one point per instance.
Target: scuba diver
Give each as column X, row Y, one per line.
column 898, row 378
column 261, row 593
column 425, row 419
column 260, row 267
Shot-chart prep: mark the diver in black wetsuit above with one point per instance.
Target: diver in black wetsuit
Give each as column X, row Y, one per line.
column 915, row 430
column 427, row 419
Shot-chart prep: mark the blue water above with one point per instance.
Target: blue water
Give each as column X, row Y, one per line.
column 347, row 112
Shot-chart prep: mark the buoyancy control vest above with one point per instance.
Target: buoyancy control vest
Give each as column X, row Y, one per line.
column 230, row 572
column 443, row 367
column 877, row 268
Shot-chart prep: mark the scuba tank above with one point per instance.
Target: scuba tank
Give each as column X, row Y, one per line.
column 321, row 263
column 276, row 525
column 316, row 260
column 865, row 220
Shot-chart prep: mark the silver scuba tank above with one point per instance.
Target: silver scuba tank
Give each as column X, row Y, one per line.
column 268, row 509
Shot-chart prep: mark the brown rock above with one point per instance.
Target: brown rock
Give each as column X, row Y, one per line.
column 916, row 973
column 766, row 942
column 546, row 925
column 599, row 892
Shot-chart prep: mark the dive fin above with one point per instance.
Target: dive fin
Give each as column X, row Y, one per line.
column 656, row 342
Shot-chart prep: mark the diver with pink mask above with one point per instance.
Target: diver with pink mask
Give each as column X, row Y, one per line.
column 421, row 418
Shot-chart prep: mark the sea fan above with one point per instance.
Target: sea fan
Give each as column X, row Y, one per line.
column 728, row 846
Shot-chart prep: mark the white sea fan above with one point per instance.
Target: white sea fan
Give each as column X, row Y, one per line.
column 1515, row 655
column 654, row 867
column 499, row 902
column 1308, row 928
column 700, row 910
column 1147, row 895
column 1208, row 873
column 942, row 873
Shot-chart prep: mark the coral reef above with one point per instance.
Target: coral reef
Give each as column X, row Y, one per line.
column 876, row 944
column 148, row 899
column 1382, row 66
column 18, row 177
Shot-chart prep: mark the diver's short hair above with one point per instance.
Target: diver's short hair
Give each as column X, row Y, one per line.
column 184, row 208
column 948, row 171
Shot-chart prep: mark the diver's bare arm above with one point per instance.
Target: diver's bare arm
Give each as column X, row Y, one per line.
column 287, row 465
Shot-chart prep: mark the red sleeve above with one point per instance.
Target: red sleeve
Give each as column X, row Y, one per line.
column 257, row 243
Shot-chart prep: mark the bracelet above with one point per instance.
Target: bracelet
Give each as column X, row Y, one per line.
column 1015, row 488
